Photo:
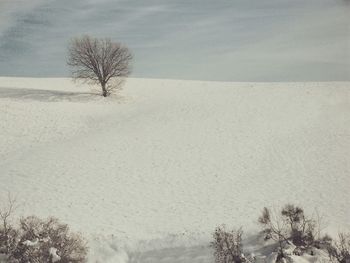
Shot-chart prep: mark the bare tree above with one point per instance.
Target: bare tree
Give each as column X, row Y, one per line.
column 99, row 61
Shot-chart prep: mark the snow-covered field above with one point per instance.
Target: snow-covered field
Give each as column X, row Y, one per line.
column 148, row 174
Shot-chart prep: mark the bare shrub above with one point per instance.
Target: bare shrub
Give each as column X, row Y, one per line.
column 228, row 246
column 339, row 250
column 8, row 234
column 293, row 215
column 323, row 242
column 38, row 241
column 48, row 241
column 99, row 61
column 274, row 228
column 291, row 226
column 301, row 228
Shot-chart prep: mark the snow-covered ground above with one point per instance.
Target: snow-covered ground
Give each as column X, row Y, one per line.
column 149, row 173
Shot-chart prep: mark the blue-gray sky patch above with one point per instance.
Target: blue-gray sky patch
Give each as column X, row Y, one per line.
column 229, row 40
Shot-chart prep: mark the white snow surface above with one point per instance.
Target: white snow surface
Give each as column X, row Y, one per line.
column 53, row 254
column 149, row 173
column 30, row 243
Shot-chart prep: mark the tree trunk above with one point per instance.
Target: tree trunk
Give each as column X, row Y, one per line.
column 104, row 91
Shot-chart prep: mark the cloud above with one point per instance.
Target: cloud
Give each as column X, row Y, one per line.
column 216, row 40
column 12, row 9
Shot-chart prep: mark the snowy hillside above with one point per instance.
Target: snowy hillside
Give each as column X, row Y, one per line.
column 166, row 161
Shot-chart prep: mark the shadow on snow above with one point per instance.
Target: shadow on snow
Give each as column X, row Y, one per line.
column 46, row 95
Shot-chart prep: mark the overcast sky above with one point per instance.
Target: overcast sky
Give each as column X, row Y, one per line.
column 228, row 40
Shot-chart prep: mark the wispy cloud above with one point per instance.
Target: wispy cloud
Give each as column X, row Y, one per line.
column 217, row 40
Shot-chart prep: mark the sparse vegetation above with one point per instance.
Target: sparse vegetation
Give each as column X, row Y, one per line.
column 275, row 228
column 49, row 241
column 291, row 226
column 39, row 241
column 228, row 246
column 293, row 232
column 8, row 234
column 339, row 249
